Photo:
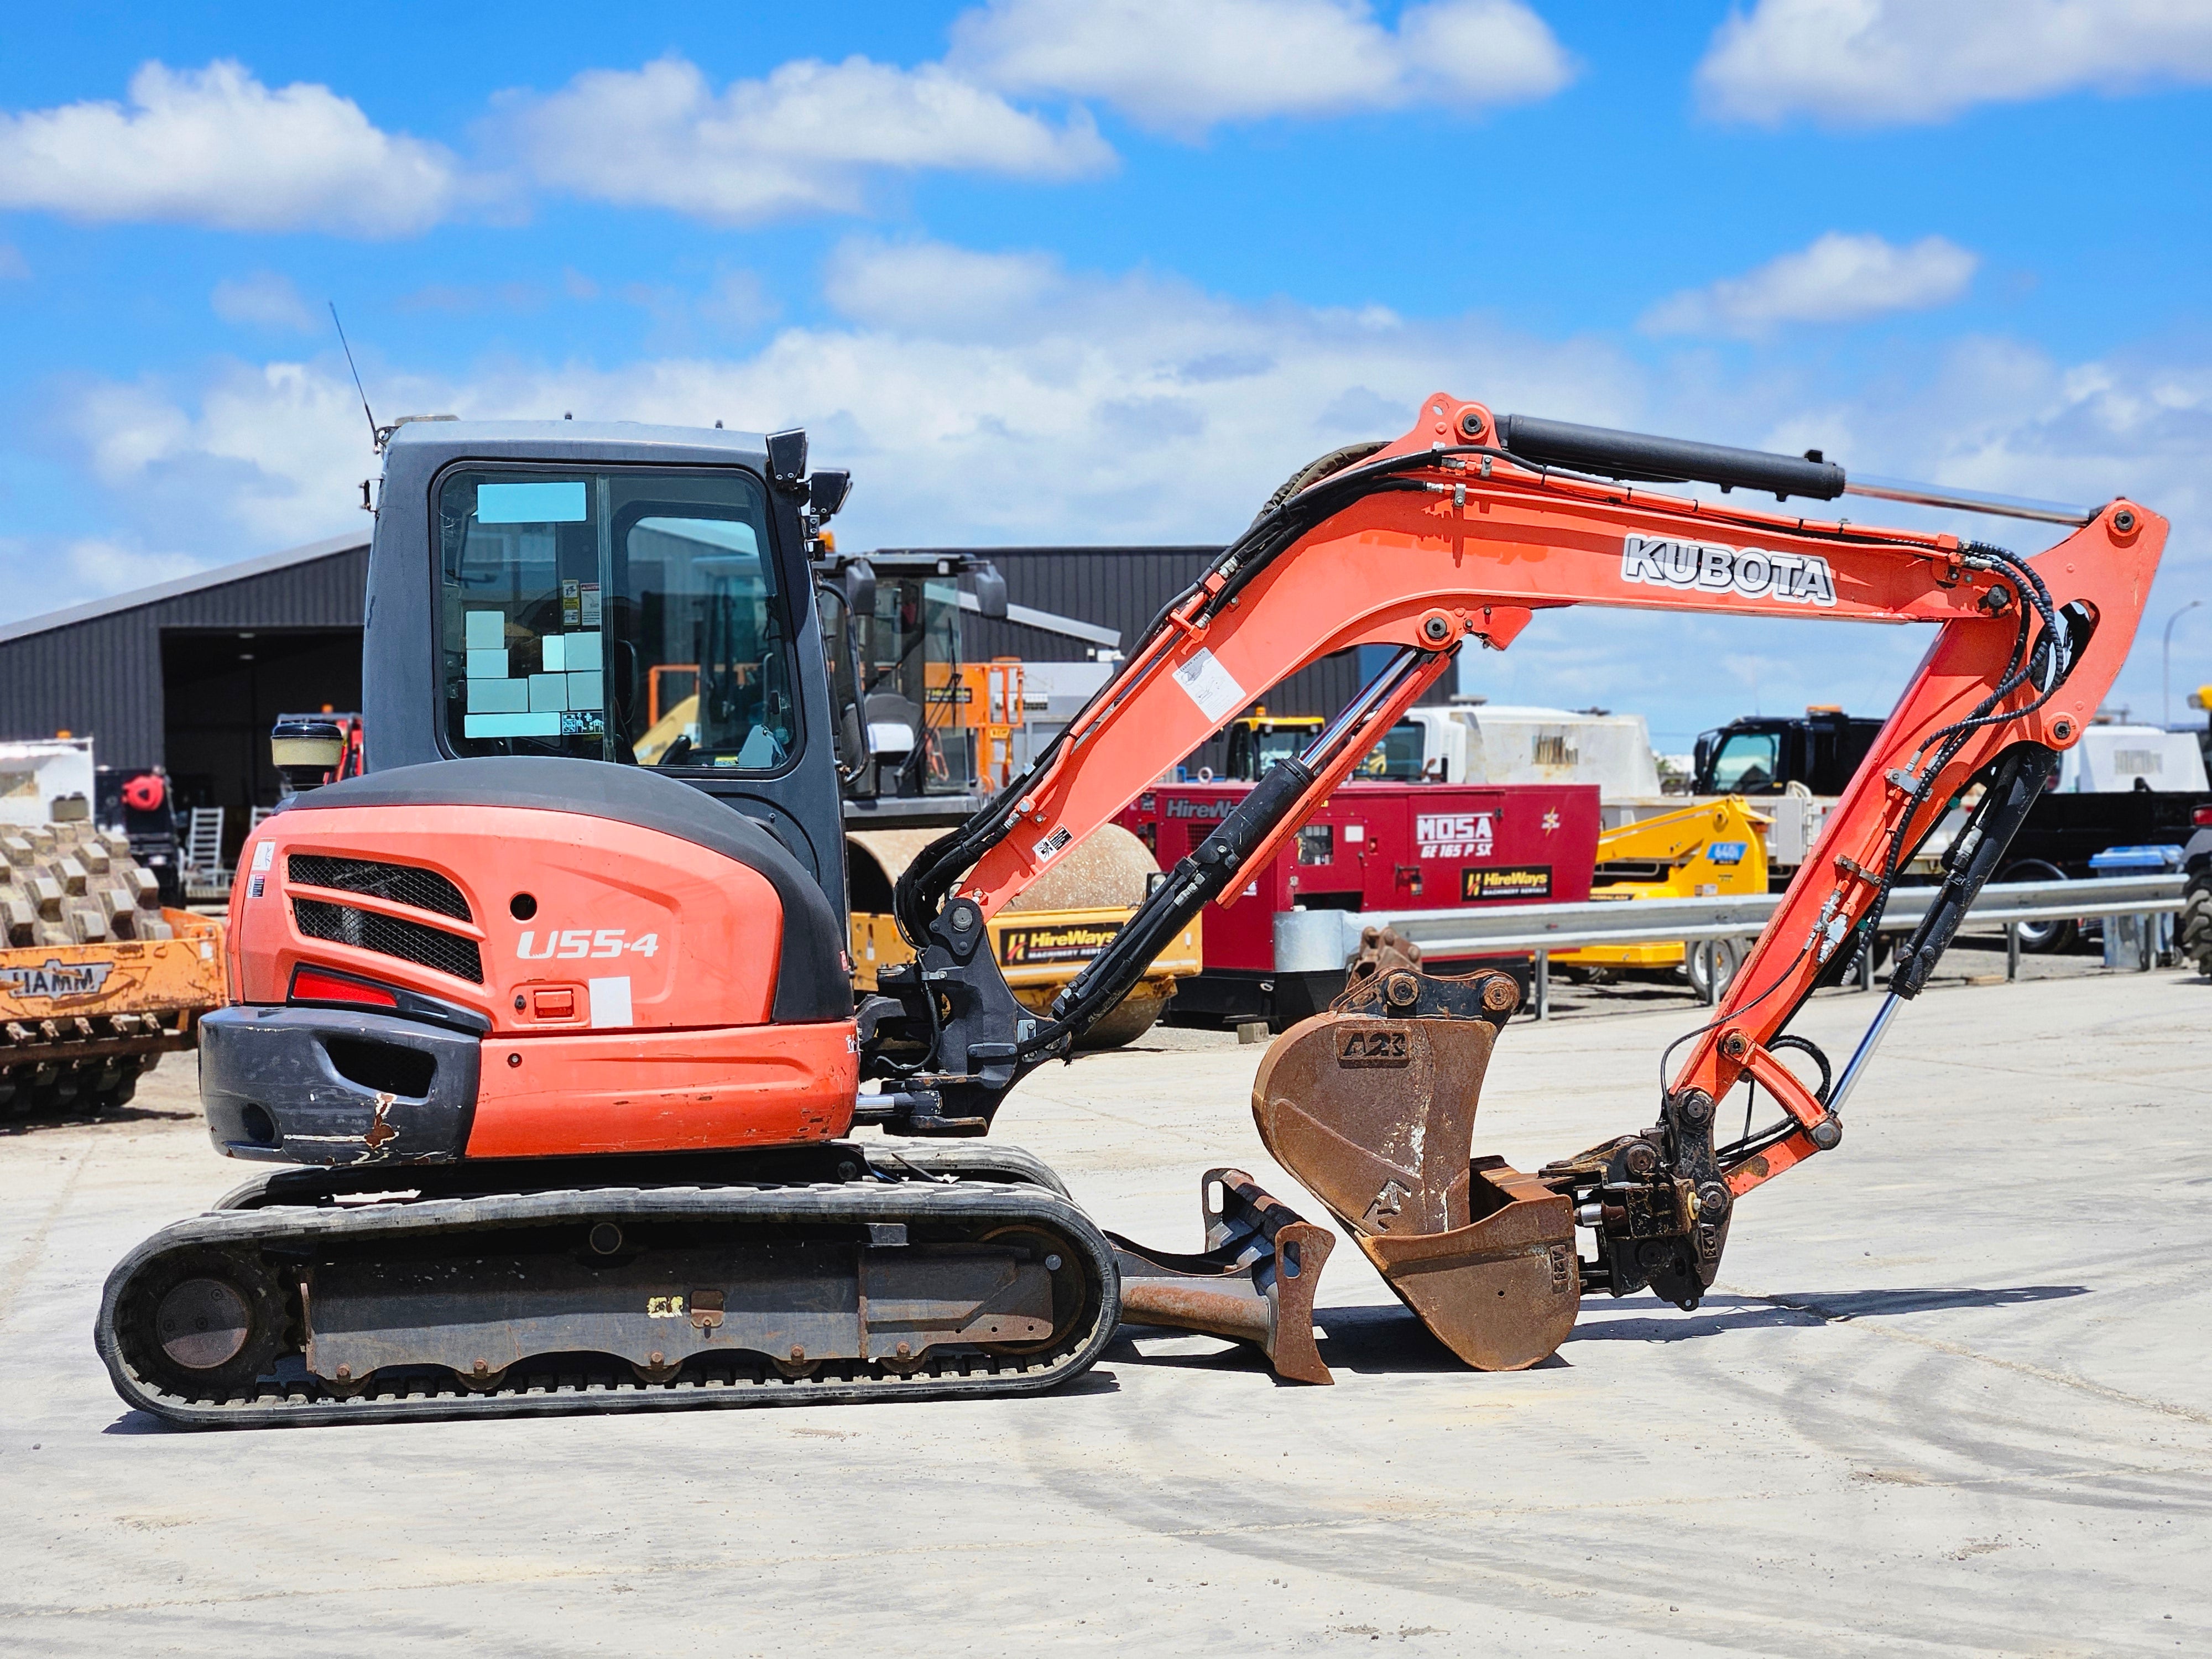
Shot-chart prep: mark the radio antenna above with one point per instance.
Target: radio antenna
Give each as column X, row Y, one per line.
column 375, row 433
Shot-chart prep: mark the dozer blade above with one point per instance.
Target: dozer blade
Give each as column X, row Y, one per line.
column 1254, row 1282
column 1371, row 1106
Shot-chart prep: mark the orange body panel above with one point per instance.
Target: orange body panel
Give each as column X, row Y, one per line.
column 631, row 1002
column 665, row 1092
column 695, row 935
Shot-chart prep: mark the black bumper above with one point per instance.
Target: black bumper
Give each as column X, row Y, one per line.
column 322, row 1086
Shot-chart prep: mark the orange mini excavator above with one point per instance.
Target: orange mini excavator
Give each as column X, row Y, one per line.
column 567, row 1045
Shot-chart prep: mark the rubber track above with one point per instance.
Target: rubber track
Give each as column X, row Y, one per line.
column 610, row 1386
column 935, row 1161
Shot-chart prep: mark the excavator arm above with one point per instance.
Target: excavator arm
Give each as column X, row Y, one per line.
column 1462, row 529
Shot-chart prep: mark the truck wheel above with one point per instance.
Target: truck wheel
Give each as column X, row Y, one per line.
column 1712, row 961
column 2195, row 931
column 2043, row 938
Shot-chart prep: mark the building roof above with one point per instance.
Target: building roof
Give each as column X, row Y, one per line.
column 221, row 575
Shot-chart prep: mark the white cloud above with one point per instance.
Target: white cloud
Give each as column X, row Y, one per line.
column 215, row 146
column 265, row 299
column 936, row 288
column 986, row 398
column 266, row 457
column 106, row 567
column 1838, row 279
column 809, row 137
column 1879, row 63
column 1180, row 68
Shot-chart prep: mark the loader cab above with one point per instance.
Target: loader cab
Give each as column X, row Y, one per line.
column 915, row 721
column 1399, row 757
column 634, row 594
column 1258, row 740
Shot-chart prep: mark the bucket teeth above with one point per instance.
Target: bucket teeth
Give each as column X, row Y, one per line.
column 1371, row 1107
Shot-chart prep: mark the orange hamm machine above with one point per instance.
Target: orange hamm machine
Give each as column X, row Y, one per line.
column 566, row 1046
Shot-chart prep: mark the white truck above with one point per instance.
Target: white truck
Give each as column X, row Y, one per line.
column 1473, row 742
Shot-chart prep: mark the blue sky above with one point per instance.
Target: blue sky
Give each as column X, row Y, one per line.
column 1107, row 270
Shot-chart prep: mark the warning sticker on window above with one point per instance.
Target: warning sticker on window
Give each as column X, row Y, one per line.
column 1211, row 686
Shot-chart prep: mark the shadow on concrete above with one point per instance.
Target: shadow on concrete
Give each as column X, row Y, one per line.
column 1723, row 1312
column 1386, row 1339
column 1228, row 1357
column 64, row 1120
column 136, row 1422
column 1383, row 1340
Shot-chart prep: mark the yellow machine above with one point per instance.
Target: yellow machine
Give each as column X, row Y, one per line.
column 1695, row 852
column 972, row 712
column 1259, row 739
column 1042, row 940
column 926, row 729
column 97, row 979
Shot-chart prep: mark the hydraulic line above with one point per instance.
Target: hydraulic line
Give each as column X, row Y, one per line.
column 1214, row 864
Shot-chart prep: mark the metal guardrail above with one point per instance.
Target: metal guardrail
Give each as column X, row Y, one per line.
column 1314, row 940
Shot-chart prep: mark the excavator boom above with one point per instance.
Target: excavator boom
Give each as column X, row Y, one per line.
column 1463, row 528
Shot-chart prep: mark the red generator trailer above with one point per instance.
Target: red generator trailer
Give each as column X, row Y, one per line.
column 1370, row 848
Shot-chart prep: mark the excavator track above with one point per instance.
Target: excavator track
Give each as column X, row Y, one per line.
column 916, row 1285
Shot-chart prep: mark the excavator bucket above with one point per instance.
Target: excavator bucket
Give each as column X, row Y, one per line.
column 1371, row 1106
column 1254, row 1283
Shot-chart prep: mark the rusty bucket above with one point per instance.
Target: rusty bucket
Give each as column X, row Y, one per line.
column 1371, row 1106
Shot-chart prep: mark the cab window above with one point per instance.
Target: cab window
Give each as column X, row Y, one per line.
column 630, row 615
column 1397, row 757
column 1747, row 763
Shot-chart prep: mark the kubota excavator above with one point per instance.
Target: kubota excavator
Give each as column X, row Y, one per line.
column 568, row 1046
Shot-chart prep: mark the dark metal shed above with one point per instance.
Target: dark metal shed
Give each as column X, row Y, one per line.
column 189, row 673
column 1123, row 589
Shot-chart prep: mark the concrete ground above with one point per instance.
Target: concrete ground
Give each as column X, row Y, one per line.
column 1950, row 1396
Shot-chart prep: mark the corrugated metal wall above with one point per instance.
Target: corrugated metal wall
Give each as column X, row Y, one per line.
column 101, row 678
column 1124, row 587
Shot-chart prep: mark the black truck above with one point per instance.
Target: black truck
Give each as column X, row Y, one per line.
column 1764, row 755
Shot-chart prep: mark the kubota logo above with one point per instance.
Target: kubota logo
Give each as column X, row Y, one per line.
column 1797, row 578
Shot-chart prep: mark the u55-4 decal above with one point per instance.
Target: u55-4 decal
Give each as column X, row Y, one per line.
column 1659, row 562
column 572, row 944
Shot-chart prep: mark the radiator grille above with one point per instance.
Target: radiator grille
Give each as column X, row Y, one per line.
column 402, row 884
column 390, row 936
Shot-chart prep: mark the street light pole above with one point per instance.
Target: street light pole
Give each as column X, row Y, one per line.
column 2166, row 662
